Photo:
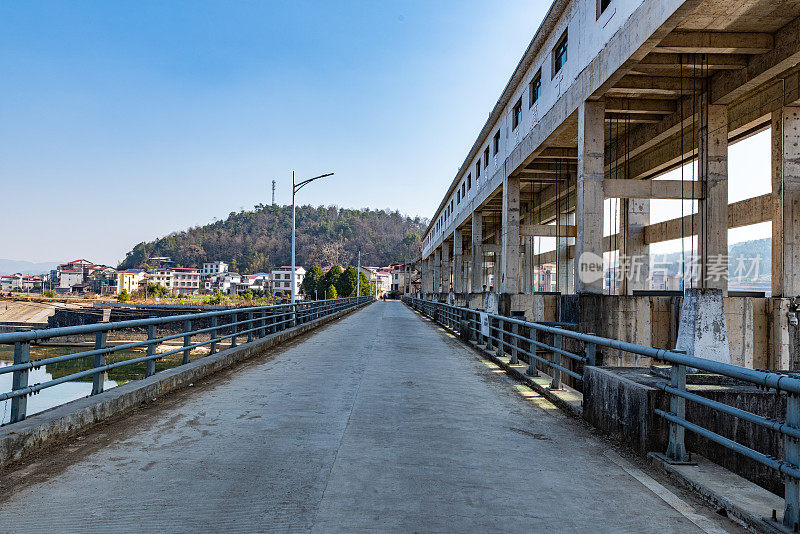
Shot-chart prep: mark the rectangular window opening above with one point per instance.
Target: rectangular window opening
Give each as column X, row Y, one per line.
column 535, row 89
column 560, row 53
column 516, row 114
column 496, row 143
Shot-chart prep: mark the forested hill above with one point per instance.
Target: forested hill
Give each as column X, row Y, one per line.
column 255, row 241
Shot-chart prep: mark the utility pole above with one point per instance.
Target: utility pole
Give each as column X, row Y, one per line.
column 358, row 276
column 273, row 192
column 295, row 188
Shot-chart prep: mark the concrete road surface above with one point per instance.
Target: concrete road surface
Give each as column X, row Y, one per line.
column 380, row 422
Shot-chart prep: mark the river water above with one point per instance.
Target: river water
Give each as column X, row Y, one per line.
column 69, row 391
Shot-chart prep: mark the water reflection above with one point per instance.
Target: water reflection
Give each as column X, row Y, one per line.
column 69, row 391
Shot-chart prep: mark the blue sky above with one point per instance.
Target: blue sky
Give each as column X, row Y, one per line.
column 124, row 121
column 121, row 122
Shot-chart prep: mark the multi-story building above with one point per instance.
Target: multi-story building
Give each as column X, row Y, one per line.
column 103, row 280
column 162, row 277
column 12, row 282
column 129, row 280
column 213, row 268
column 186, row 280
column 282, row 279
column 69, row 277
column 226, row 282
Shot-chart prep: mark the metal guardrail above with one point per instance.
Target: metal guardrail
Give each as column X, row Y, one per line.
column 253, row 322
column 509, row 335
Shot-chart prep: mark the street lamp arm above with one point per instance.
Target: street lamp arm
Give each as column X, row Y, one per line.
column 298, row 186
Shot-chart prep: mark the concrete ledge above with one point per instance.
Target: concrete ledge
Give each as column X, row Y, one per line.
column 566, row 398
column 749, row 504
column 45, row 428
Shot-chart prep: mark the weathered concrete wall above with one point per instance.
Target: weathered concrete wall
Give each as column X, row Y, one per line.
column 45, row 428
column 620, row 402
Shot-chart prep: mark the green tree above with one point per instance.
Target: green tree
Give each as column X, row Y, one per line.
column 347, row 282
column 124, row 296
column 331, row 278
column 331, row 292
column 366, row 287
column 312, row 283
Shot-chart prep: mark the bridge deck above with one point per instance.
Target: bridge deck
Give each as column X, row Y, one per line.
column 378, row 422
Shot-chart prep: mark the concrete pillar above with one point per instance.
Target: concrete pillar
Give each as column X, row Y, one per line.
column 589, row 200
column 562, row 257
column 477, row 252
column 445, row 267
column 713, row 225
column 527, row 265
column 458, row 264
column 509, row 275
column 437, row 270
column 786, row 202
column 634, row 254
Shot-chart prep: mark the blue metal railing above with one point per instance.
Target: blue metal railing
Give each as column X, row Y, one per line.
column 507, row 334
column 253, row 322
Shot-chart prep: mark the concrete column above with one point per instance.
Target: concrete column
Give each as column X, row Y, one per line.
column 445, row 267
column 713, row 225
column 527, row 265
column 437, row 270
column 589, row 201
column 562, row 257
column 786, row 202
column 458, row 264
column 509, row 274
column 634, row 254
column 477, row 252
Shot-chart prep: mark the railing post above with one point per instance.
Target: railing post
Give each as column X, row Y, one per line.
column 263, row 330
column 234, row 328
column 791, row 512
column 514, row 354
column 489, row 336
column 19, row 380
column 150, row 366
column 214, row 334
column 187, row 340
column 556, row 382
column 532, row 370
column 676, row 449
column 99, row 361
column 501, row 325
column 249, row 327
column 591, row 354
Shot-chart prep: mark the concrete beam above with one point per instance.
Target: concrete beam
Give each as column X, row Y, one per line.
column 547, row 230
column 743, row 213
column 729, row 86
column 651, row 85
column 663, row 189
column 704, row 42
column 636, row 106
column 558, row 152
column 666, row 64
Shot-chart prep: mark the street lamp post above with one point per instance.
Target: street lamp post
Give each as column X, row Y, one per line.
column 295, row 188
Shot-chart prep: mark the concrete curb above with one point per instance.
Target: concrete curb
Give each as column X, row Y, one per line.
column 45, row 428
